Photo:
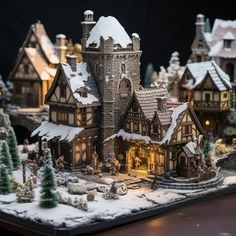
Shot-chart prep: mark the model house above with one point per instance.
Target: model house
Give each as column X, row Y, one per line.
column 208, row 89
column 218, row 44
column 100, row 103
column 35, row 66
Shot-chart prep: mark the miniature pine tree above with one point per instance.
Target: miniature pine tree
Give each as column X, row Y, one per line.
column 12, row 143
column 5, row 157
column 207, row 26
column 206, row 148
column 148, row 76
column 49, row 197
column 5, row 184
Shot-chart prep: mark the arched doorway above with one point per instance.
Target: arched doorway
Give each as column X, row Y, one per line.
column 22, row 133
column 229, row 69
column 143, row 160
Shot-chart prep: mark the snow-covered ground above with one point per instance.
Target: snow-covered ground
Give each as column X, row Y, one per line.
column 100, row 209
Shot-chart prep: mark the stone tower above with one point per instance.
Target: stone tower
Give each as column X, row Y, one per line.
column 114, row 59
column 200, row 48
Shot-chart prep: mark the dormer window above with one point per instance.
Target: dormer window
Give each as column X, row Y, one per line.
column 228, row 39
column 83, row 94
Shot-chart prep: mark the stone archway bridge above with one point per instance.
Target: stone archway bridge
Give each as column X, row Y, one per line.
column 29, row 118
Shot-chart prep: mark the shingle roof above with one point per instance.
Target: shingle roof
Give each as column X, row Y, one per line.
column 147, row 99
column 199, row 71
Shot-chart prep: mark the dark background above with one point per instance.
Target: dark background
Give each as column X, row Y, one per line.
column 164, row 26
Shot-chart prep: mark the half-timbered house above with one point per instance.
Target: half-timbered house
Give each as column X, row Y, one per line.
column 208, row 89
column 74, row 107
column 35, row 66
column 155, row 132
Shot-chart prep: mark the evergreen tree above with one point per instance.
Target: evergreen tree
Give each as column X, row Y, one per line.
column 207, row 26
column 206, row 148
column 5, row 157
column 49, row 197
column 148, row 76
column 12, row 143
column 5, row 184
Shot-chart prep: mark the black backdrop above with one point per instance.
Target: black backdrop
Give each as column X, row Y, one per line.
column 164, row 26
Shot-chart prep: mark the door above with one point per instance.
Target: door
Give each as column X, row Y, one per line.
column 30, row 100
column 65, row 150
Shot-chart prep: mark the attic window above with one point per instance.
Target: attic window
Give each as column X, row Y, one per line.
column 227, row 43
column 26, row 69
column 83, row 94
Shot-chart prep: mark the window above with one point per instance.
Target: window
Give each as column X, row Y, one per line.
column 124, row 87
column 83, row 94
column 199, row 58
column 229, row 69
column 200, row 43
column 123, row 68
column 26, row 69
column 128, row 126
column 155, row 129
column 63, row 90
column 135, row 108
column 187, row 129
column 207, row 97
column 97, row 69
column 227, row 43
column 135, row 127
column 225, row 95
column 18, row 88
column 83, row 116
column 62, row 117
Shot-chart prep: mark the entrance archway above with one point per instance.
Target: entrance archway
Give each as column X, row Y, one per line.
column 143, row 160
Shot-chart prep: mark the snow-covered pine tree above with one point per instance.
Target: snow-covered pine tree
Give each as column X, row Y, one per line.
column 5, row 157
column 12, row 143
column 5, row 184
column 49, row 196
column 148, row 76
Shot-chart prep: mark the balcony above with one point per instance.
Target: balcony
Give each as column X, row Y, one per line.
column 211, row 106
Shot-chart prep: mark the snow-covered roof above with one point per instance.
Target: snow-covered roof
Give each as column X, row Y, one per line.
column 192, row 149
column 39, row 64
column 175, row 114
column 108, row 27
column 48, row 131
column 228, row 36
column 45, row 43
column 88, row 12
column 222, row 29
column 82, row 78
column 174, row 117
column 199, row 71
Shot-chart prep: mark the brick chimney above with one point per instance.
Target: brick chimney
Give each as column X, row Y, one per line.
column 61, row 47
column 161, row 103
column 72, row 61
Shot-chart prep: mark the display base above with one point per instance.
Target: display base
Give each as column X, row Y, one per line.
column 26, row 227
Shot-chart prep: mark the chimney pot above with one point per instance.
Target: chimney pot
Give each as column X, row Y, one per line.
column 72, row 61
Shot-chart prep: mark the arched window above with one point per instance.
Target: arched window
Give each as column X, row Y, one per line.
column 123, row 68
column 124, row 87
column 97, row 69
column 229, row 69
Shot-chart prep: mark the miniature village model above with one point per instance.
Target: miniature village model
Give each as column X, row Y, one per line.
column 107, row 139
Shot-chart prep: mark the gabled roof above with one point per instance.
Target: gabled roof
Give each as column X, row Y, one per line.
column 108, row 27
column 82, row 78
column 44, row 42
column 222, row 29
column 41, row 67
column 44, row 72
column 199, row 71
column 147, row 99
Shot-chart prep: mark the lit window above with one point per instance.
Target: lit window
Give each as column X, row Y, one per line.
column 207, row 122
column 187, row 129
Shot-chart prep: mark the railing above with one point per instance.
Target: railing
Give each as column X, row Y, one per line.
column 211, row 105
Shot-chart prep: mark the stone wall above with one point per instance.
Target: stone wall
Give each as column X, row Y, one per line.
column 229, row 162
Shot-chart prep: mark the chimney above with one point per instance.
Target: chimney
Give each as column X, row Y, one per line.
column 200, row 23
column 72, row 61
column 161, row 103
column 87, row 26
column 61, row 47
